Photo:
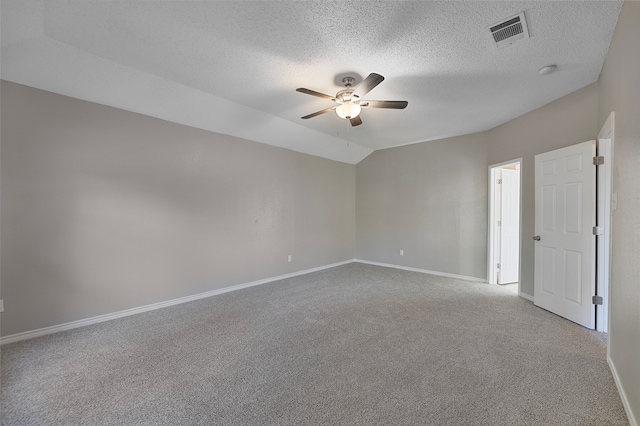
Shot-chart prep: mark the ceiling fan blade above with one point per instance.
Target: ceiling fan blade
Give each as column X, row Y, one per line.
column 319, row 112
column 356, row 121
column 314, row 93
column 384, row 104
column 367, row 85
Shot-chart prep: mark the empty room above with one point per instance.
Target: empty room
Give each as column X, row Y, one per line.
column 319, row 212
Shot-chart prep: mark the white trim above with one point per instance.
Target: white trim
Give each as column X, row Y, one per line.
column 424, row 271
column 623, row 396
column 604, row 192
column 526, row 296
column 108, row 317
column 491, row 269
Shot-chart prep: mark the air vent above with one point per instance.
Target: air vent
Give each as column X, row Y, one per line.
column 510, row 31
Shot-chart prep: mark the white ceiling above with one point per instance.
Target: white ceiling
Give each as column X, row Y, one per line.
column 233, row 66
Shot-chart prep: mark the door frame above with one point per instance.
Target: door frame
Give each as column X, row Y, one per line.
column 492, row 218
column 605, row 206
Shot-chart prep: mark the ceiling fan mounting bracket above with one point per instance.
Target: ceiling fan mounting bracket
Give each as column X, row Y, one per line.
column 348, row 81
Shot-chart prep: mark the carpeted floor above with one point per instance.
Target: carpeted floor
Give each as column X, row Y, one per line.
column 513, row 287
column 352, row 345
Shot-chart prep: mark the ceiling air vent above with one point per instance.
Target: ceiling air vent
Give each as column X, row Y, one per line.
column 510, row 31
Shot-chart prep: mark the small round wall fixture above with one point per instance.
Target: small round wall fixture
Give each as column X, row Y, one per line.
column 548, row 69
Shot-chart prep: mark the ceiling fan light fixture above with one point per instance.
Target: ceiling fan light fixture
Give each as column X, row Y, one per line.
column 348, row 110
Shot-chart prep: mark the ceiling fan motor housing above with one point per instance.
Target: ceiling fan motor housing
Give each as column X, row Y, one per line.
column 345, row 96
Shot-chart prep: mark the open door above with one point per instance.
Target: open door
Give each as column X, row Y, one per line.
column 503, row 248
column 510, row 226
column 565, row 208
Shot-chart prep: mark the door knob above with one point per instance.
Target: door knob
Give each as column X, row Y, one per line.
column 537, row 238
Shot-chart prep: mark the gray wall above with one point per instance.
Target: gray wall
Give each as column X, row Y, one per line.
column 104, row 210
column 619, row 91
column 569, row 120
column 431, row 199
column 428, row 199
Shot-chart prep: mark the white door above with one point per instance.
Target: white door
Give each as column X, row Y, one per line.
column 509, row 226
column 565, row 206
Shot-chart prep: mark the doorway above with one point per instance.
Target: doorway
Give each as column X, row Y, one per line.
column 572, row 257
column 504, row 224
column 606, row 204
column 565, row 242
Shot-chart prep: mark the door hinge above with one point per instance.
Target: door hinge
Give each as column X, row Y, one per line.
column 498, row 266
column 598, row 160
column 597, row 300
column 499, row 181
column 598, row 230
column 499, row 223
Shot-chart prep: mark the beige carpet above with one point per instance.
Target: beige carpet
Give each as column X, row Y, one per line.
column 512, row 287
column 353, row 345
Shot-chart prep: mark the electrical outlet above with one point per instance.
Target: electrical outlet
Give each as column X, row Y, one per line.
column 289, row 258
column 401, row 252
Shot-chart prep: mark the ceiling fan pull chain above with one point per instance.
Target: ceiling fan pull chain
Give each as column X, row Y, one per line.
column 348, row 124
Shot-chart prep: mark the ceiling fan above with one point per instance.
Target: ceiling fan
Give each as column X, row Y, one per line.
column 349, row 101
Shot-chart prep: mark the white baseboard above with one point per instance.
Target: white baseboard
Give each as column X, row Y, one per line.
column 623, row 396
column 424, row 271
column 526, row 296
column 107, row 317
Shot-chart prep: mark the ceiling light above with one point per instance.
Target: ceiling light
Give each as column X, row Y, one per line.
column 348, row 110
column 548, row 69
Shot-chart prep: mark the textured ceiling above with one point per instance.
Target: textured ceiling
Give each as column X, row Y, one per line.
column 233, row 66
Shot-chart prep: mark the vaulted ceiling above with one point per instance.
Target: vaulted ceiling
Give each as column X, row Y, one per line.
column 233, row 66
